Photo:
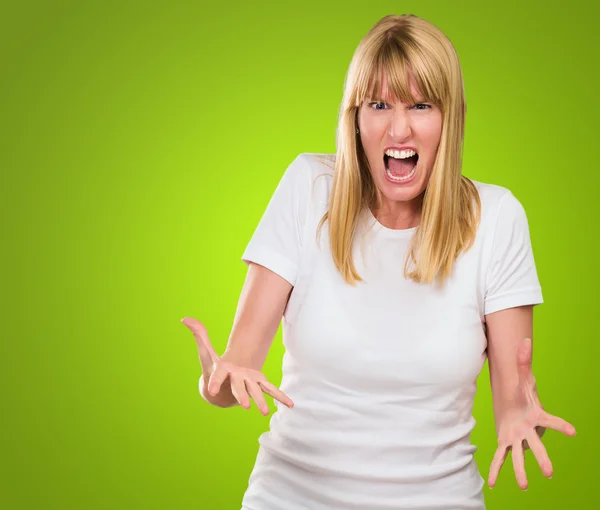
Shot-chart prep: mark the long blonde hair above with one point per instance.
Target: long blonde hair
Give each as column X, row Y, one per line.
column 451, row 206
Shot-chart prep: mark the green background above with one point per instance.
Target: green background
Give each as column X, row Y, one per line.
column 139, row 145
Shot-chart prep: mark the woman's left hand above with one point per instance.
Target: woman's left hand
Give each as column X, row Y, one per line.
column 523, row 423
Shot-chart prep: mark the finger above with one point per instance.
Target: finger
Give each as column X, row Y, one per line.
column 217, row 379
column 205, row 348
column 497, row 462
column 257, row 395
column 518, row 459
column 555, row 423
column 276, row 393
column 238, row 388
column 540, row 453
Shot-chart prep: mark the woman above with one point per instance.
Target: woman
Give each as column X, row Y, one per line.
column 396, row 278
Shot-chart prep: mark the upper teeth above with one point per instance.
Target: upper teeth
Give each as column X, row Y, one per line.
column 400, row 154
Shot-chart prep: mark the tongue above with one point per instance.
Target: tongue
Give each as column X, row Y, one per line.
column 401, row 167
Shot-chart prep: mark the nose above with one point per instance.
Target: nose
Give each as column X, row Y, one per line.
column 399, row 127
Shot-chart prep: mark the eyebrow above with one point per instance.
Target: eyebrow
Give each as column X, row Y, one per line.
column 417, row 99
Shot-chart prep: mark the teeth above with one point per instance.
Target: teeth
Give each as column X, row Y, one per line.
column 400, row 154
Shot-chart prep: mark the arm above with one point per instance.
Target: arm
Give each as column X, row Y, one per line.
column 260, row 308
column 506, row 329
column 512, row 289
column 261, row 305
column 519, row 415
column 273, row 256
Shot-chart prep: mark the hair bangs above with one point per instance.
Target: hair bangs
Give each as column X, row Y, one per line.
column 429, row 78
column 390, row 62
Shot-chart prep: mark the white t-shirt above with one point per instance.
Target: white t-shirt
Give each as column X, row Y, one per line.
column 382, row 374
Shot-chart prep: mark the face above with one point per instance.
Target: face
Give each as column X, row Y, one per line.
column 394, row 125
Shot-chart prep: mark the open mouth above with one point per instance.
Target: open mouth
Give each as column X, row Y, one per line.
column 400, row 169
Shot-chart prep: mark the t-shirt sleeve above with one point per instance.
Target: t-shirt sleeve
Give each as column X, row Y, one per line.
column 278, row 238
column 512, row 278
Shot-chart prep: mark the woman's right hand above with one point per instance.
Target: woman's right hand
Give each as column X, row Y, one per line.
column 245, row 383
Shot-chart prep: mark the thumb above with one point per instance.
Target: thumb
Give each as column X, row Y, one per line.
column 205, row 349
column 524, row 356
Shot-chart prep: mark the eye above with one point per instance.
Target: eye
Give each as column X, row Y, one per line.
column 378, row 103
column 422, row 104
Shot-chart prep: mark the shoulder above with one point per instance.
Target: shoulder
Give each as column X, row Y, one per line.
column 491, row 195
column 316, row 164
column 314, row 172
column 498, row 204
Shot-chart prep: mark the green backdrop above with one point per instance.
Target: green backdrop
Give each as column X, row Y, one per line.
column 139, row 145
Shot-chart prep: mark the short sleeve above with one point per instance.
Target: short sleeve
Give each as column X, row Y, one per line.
column 278, row 238
column 512, row 278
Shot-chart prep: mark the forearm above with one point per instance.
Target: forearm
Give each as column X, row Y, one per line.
column 257, row 319
column 503, row 395
column 506, row 330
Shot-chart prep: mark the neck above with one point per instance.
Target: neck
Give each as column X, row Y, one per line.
column 399, row 214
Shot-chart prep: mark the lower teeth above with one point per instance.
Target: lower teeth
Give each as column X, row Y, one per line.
column 403, row 178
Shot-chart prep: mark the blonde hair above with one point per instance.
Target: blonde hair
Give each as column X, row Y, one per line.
column 451, row 206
